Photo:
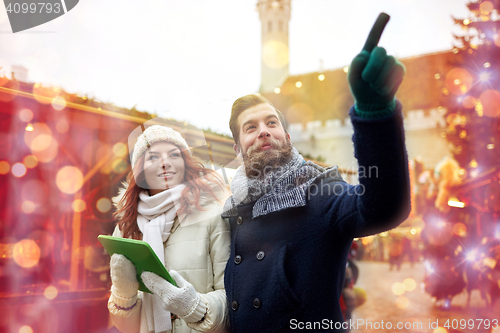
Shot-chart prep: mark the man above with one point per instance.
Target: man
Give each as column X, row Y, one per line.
column 293, row 222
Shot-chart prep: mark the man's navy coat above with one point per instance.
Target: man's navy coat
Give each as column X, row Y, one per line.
column 286, row 269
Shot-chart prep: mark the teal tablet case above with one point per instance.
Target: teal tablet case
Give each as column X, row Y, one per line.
column 140, row 253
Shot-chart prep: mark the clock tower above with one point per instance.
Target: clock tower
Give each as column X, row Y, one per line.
column 274, row 17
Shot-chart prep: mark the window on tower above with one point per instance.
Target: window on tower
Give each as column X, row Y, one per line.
column 270, row 26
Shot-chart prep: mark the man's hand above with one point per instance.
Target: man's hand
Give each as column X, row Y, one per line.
column 374, row 77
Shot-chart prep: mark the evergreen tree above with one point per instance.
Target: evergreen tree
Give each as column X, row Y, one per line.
column 472, row 92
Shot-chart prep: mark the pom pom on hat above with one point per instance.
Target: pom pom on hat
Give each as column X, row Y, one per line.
column 154, row 134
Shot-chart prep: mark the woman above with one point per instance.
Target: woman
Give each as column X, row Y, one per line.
column 172, row 202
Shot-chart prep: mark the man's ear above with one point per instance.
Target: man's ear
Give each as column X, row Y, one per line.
column 288, row 135
column 237, row 149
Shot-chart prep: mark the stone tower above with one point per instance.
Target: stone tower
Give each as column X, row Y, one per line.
column 274, row 17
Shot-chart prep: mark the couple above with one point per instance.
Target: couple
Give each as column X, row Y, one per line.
column 286, row 229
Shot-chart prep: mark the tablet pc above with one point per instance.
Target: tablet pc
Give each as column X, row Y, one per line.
column 140, row 253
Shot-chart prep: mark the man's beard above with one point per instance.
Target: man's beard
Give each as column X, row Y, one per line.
column 259, row 162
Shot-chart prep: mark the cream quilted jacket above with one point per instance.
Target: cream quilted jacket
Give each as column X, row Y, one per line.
column 198, row 248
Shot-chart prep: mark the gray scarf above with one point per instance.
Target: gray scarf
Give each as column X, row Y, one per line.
column 284, row 187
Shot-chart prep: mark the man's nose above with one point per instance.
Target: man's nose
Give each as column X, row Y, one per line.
column 263, row 132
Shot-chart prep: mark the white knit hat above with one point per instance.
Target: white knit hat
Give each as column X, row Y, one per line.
column 157, row 133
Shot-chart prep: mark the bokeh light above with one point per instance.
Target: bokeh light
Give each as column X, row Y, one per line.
column 79, row 253
column 18, row 170
column 47, row 155
column 50, row 292
column 41, row 142
column 346, row 69
column 460, row 229
column 26, row 253
column 298, row 84
column 441, row 233
column 440, row 330
column 409, row 284
column 69, row 179
column 120, row 149
column 453, row 119
column 30, row 161
column 25, row 329
column 44, row 94
column 486, row 7
column 28, row 207
column 402, row 302
column 103, row 205
column 496, row 40
column 107, row 168
column 26, row 115
column 398, row 288
column 321, row 77
column 458, row 81
column 469, row 102
column 4, row 167
column 78, row 205
column 277, row 90
column 490, row 99
column 275, row 54
column 62, row 126
column 485, row 77
column 120, row 166
column 479, row 109
column 58, row 103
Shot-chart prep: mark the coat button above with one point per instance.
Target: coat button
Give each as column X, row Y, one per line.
column 234, row 305
column 260, row 255
column 239, row 220
column 256, row 303
column 237, row 260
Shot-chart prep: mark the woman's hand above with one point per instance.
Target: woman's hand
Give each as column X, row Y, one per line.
column 124, row 279
column 183, row 301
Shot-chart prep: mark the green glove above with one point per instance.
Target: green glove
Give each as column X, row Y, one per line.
column 374, row 77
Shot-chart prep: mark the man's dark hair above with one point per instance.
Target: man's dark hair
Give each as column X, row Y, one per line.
column 244, row 103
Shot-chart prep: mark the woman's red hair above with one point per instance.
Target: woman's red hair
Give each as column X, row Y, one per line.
column 196, row 179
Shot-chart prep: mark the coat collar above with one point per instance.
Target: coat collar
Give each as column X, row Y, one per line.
column 210, row 210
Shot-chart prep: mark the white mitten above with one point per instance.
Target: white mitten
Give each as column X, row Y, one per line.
column 124, row 279
column 184, row 301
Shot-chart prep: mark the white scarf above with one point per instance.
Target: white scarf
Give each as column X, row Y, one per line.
column 155, row 217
